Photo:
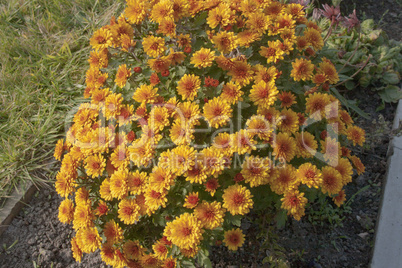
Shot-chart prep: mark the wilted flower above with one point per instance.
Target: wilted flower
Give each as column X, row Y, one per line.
column 332, row 13
column 351, row 21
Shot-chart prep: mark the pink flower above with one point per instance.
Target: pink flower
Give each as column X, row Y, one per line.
column 352, row 21
column 332, row 13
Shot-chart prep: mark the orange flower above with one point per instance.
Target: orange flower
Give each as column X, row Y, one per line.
column 234, row 238
column 356, row 135
column 237, row 199
column 302, row 69
column 294, row 202
column 122, row 75
column 331, row 181
column 191, row 200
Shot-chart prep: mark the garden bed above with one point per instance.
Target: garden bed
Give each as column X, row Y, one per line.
column 39, row 237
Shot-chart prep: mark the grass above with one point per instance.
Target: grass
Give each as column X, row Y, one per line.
column 44, row 46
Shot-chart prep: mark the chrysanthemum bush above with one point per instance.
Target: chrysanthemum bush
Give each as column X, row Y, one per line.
column 198, row 112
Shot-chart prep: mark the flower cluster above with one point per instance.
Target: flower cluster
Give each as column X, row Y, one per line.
column 196, row 110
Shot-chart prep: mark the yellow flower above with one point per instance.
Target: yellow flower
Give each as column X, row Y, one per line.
column 357, row 163
column 203, row 58
column 161, row 179
column 113, row 232
column 241, row 73
column 118, row 183
column 273, row 52
column 257, row 22
column 316, row 104
column 66, row 211
column 95, row 165
column 258, row 126
column 196, row 173
column 82, row 216
column 231, row 92
column 113, row 104
column 224, row 41
column 133, row 250
column 128, row 211
column 191, row 200
column 107, row 253
column 265, row 74
column 181, row 133
column 210, row 214
column 302, row 69
column 219, row 15
column 327, row 68
column 180, row 9
column 217, row 112
column 137, row 182
column 160, row 249
column 90, row 239
column 356, row 135
column 246, row 38
column 223, row 143
column 289, row 121
column 287, row 99
column 294, row 202
column 234, row 238
column 188, row 85
column 255, row 170
column 135, row 11
column 184, row 231
column 345, row 169
column 331, row 181
column 105, row 191
column 309, row 175
column 212, row 161
column 101, row 39
column 77, row 252
column 162, row 10
column 155, row 199
column 58, row 151
column 284, row 147
column 167, row 27
column 122, row 75
column 340, row 198
column 243, row 142
column 284, row 180
column 154, row 46
column 237, row 199
column 141, row 152
column 264, row 94
column 314, row 37
column 331, row 150
column 158, row 118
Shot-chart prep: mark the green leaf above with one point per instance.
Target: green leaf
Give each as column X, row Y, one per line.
column 367, row 26
column 201, row 19
column 187, row 264
column 391, row 93
column 281, row 218
column 349, row 104
column 391, row 77
column 234, row 220
column 350, row 84
column 203, row 259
